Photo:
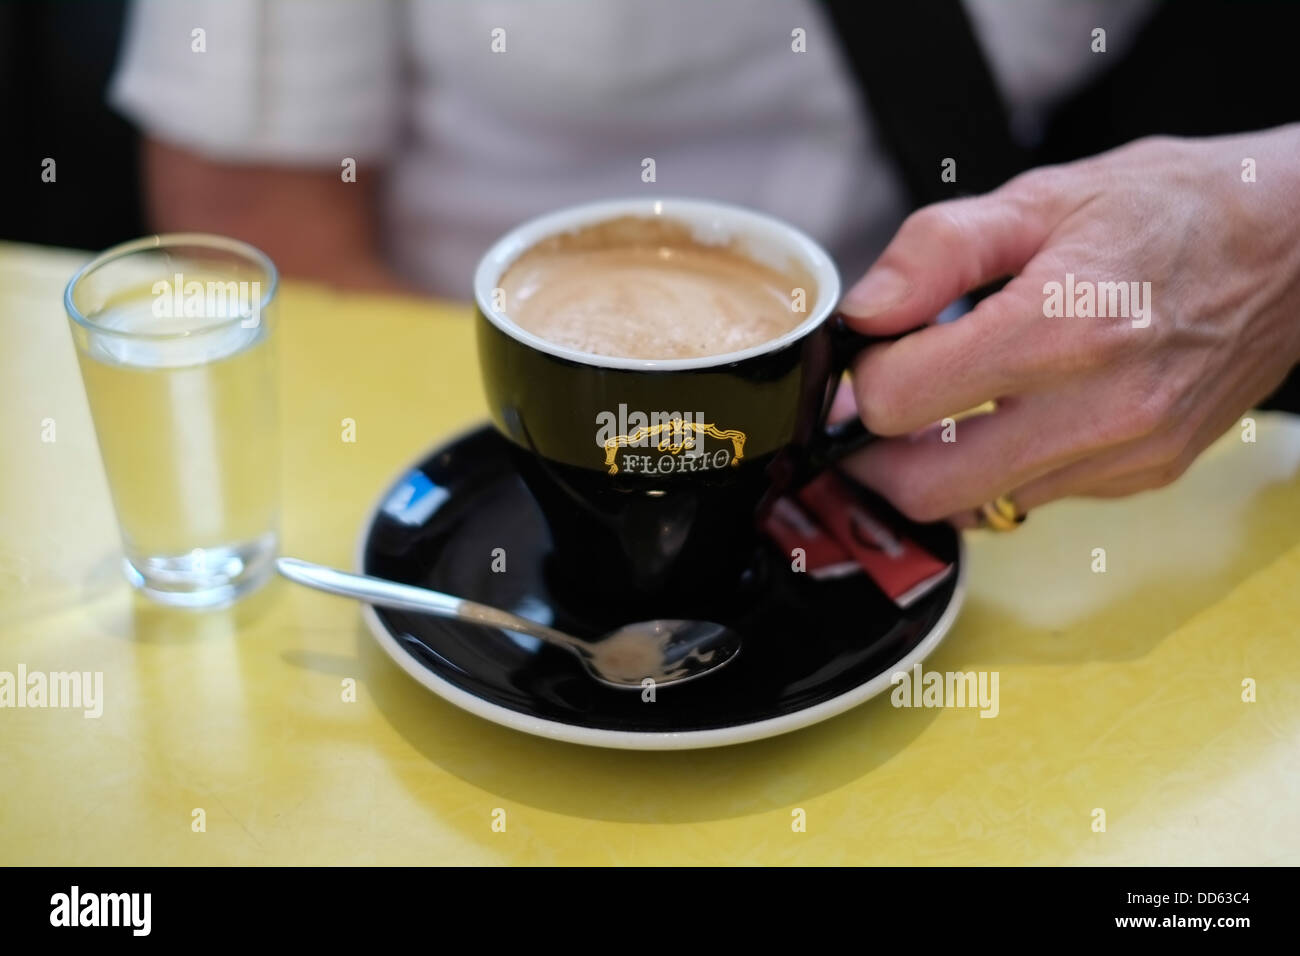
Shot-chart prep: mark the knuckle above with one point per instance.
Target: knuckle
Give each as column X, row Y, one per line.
column 1162, row 450
column 1168, row 473
column 877, row 414
column 1033, row 185
column 937, row 224
column 1105, row 342
column 1071, row 355
column 878, row 406
column 1149, row 412
column 1157, row 142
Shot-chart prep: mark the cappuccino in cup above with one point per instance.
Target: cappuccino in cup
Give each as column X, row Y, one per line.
column 648, row 289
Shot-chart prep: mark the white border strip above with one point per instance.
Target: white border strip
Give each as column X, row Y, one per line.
column 636, row 740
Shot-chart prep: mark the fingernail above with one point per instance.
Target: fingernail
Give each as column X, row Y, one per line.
column 880, row 289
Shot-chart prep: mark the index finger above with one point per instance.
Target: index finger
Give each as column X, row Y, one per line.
column 942, row 370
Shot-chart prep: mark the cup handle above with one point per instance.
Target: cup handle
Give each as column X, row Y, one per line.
column 833, row 442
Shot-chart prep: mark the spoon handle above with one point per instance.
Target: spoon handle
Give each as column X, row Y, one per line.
column 408, row 597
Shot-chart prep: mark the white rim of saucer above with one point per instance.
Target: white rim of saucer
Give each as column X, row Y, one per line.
column 710, row 221
column 632, row 739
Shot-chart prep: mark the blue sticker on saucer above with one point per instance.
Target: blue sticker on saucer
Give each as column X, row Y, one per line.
column 414, row 499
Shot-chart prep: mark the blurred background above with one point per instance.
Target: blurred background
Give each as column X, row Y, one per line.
column 1200, row 67
column 56, row 59
column 1194, row 67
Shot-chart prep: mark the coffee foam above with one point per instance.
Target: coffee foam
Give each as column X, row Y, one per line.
column 647, row 289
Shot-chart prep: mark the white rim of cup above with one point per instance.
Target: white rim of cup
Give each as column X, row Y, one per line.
column 168, row 240
column 712, row 219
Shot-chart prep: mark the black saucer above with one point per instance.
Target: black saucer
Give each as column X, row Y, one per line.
column 811, row 648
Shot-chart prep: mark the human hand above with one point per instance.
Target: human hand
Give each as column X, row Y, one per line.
column 1097, row 406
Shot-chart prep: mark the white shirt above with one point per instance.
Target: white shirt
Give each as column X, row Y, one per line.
column 475, row 141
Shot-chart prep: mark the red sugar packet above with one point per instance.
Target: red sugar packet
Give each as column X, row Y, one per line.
column 901, row 568
column 790, row 527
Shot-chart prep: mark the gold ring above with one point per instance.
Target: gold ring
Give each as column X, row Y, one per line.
column 1001, row 514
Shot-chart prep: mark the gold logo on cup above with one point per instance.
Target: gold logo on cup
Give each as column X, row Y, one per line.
column 674, row 436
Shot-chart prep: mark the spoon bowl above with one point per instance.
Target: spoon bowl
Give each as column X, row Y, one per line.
column 663, row 652
column 646, row 653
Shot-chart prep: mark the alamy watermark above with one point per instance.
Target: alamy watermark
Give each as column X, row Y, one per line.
column 70, row 690
column 75, row 908
column 177, row 298
column 1085, row 299
column 918, row 688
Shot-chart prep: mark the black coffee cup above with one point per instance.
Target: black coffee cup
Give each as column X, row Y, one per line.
column 653, row 475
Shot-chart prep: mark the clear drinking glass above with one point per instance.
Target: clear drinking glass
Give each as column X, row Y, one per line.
column 174, row 337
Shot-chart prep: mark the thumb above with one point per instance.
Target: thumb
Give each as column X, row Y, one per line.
column 940, row 253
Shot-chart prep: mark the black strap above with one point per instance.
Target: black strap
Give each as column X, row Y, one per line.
column 931, row 94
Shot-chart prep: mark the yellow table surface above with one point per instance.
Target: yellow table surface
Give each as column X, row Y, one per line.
column 1120, row 691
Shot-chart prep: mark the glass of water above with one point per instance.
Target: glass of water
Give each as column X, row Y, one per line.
column 174, row 337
